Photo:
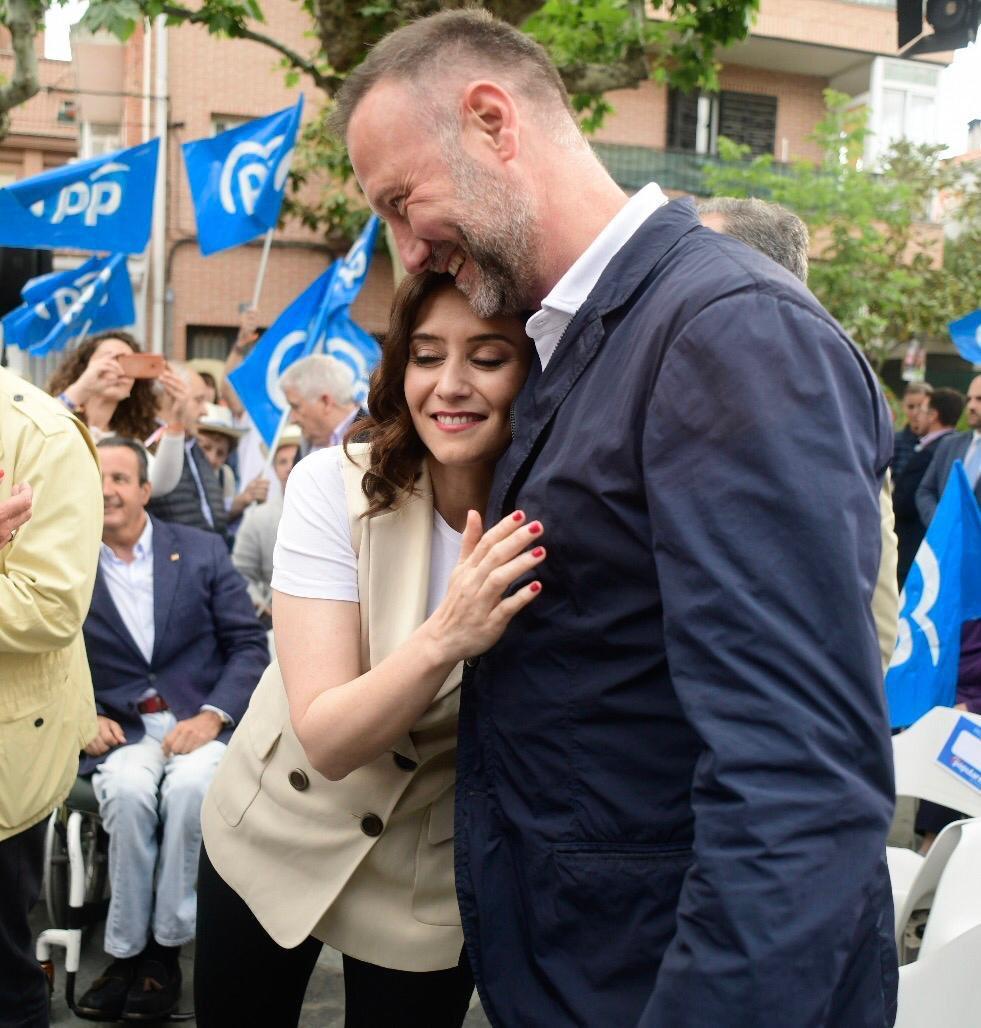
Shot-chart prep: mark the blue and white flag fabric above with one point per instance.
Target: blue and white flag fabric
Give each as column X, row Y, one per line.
column 316, row 322
column 943, row 590
column 92, row 298
column 966, row 333
column 238, row 178
column 103, row 204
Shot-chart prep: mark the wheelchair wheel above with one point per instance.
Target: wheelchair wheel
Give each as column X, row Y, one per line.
column 57, row 875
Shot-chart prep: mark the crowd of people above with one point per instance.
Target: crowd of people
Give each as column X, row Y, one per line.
column 580, row 627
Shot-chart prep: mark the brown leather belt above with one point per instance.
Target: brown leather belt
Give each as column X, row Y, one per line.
column 153, row 705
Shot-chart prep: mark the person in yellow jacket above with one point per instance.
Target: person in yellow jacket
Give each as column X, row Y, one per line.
column 50, row 533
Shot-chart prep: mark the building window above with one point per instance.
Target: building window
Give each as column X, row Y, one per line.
column 212, row 341
column 223, row 122
column 695, row 121
column 98, row 139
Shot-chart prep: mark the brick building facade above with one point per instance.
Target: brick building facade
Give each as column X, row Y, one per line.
column 771, row 97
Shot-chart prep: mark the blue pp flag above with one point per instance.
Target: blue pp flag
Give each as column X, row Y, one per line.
column 238, row 178
column 96, row 297
column 103, row 204
column 316, row 322
column 943, row 590
column 966, row 333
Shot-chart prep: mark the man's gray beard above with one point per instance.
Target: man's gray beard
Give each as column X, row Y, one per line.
column 500, row 236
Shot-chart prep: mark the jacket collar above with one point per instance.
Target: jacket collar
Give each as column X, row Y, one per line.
column 637, row 262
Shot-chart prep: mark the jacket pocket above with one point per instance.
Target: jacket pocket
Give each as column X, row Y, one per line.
column 434, row 890
column 239, row 776
column 38, row 762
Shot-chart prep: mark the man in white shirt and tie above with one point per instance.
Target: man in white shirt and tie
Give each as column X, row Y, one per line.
column 964, row 446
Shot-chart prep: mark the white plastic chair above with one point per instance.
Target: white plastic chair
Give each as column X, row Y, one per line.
column 956, row 906
column 944, row 987
column 918, row 774
column 920, row 894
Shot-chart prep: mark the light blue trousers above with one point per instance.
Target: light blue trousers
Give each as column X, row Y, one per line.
column 151, row 808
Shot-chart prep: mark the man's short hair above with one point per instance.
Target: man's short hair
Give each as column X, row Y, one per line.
column 318, row 374
column 466, row 42
column 921, row 388
column 949, row 405
column 765, row 226
column 130, row 444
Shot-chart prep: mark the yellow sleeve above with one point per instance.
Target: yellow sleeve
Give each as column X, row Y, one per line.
column 885, row 599
column 48, row 571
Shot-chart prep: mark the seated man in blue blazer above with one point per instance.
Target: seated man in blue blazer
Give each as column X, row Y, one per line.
column 175, row 651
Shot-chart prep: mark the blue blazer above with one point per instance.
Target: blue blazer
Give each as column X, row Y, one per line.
column 675, row 770
column 951, row 448
column 209, row 647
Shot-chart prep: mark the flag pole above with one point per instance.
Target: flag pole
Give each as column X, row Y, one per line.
column 271, row 455
column 263, row 262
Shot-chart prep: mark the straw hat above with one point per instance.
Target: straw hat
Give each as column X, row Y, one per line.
column 219, row 419
column 290, row 436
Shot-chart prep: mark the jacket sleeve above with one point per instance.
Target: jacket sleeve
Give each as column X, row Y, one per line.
column 928, row 491
column 49, row 568
column 247, row 555
column 241, row 636
column 764, row 442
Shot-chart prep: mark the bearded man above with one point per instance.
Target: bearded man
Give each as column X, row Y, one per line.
column 675, row 772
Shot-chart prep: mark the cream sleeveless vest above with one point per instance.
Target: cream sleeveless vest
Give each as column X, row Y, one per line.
column 364, row 864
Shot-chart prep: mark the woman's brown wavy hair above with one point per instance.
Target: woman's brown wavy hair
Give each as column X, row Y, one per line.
column 136, row 416
column 395, row 447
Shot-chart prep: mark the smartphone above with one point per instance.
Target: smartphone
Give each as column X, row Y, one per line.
column 142, row 365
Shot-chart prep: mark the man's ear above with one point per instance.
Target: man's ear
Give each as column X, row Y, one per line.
column 146, row 491
column 490, row 120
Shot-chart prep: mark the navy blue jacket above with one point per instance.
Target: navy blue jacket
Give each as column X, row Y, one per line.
column 675, row 771
column 208, row 647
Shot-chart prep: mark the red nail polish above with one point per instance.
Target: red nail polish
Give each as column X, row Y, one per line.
column 535, row 587
column 518, row 515
column 538, row 551
column 535, row 528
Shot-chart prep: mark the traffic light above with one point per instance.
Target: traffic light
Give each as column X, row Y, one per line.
column 954, row 23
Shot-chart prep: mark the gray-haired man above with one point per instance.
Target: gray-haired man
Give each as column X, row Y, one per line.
column 320, row 392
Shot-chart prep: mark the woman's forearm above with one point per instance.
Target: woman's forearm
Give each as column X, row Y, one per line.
column 348, row 726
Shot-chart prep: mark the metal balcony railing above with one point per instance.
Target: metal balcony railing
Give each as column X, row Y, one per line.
column 634, row 166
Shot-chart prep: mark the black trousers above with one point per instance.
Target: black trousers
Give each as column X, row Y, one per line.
column 23, row 986
column 243, row 978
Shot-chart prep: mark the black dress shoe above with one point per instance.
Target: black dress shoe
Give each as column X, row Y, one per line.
column 154, row 992
column 106, row 997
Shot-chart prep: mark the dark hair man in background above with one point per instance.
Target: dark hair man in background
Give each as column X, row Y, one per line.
column 936, row 418
column 675, row 773
column 907, row 438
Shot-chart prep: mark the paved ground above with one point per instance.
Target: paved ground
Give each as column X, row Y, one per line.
column 324, row 1006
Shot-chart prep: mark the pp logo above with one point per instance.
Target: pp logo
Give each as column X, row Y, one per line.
column 68, row 299
column 279, row 360
column 246, row 169
column 349, row 354
column 926, row 561
column 98, row 196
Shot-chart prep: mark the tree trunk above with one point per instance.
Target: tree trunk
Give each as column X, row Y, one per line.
column 24, row 22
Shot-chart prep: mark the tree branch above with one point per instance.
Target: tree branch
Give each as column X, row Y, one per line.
column 23, row 22
column 328, row 83
column 599, row 78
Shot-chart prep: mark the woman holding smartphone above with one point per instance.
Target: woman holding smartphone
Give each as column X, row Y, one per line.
column 331, row 818
column 96, row 387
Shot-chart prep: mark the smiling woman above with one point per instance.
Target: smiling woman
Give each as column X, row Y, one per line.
column 343, row 768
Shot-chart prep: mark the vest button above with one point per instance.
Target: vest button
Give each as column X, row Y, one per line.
column 404, row 763
column 298, row 779
column 39, row 722
column 151, row 677
column 472, row 661
column 18, row 397
column 371, row 824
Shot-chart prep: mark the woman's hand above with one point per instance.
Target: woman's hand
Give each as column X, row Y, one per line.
column 101, row 372
column 179, row 392
column 475, row 611
column 15, row 512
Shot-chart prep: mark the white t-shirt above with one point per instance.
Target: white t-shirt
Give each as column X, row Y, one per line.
column 314, row 555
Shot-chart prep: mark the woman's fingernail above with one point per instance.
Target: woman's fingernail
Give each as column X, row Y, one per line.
column 535, row 587
column 518, row 515
column 535, row 527
column 538, row 551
